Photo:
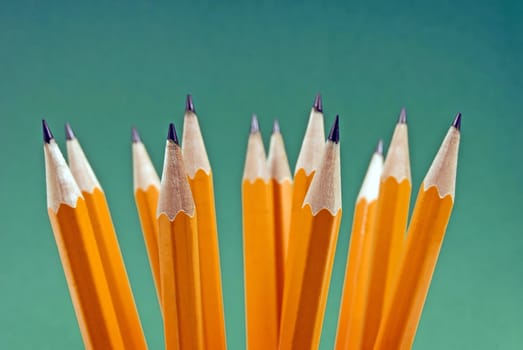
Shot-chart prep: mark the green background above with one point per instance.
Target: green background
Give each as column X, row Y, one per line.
column 105, row 67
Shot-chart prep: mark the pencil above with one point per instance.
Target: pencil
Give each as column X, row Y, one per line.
column 200, row 179
column 146, row 191
column 303, row 312
column 78, row 252
column 352, row 308
column 107, row 243
column 259, row 251
column 308, row 160
column 281, row 179
column 391, row 222
column 424, row 239
column 179, row 260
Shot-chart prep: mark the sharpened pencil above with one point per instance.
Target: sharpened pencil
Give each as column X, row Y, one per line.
column 179, row 254
column 259, row 249
column 281, row 178
column 303, row 311
column 353, row 301
column 146, row 192
column 200, row 179
column 107, row 242
column 391, row 222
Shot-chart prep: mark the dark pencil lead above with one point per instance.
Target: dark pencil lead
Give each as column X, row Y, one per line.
column 48, row 135
column 403, row 116
column 457, row 122
column 255, row 127
column 318, row 103
column 189, row 105
column 69, row 133
column 135, row 136
column 334, row 134
column 276, row 127
column 171, row 135
column 379, row 147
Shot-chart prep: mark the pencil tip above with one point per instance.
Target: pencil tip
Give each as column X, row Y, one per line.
column 135, row 136
column 457, row 122
column 318, row 103
column 69, row 133
column 255, row 127
column 334, row 134
column 171, row 135
column 276, row 127
column 189, row 105
column 48, row 135
column 379, row 147
column 403, row 116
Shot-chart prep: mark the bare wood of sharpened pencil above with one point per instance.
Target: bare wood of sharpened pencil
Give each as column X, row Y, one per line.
column 352, row 308
column 391, row 222
column 281, row 178
column 424, row 239
column 179, row 254
column 200, row 179
column 107, row 242
column 308, row 286
column 309, row 158
column 146, row 192
column 259, row 253
column 78, row 253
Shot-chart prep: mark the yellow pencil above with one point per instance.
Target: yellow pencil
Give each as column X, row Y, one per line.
column 259, row 250
column 199, row 174
column 281, row 178
column 391, row 222
column 107, row 242
column 308, row 160
column 146, row 192
column 303, row 311
column 353, row 301
column 179, row 256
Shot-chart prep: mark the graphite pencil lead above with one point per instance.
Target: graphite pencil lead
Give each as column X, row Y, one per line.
column 171, row 135
column 334, row 134
column 255, row 127
column 403, row 116
column 189, row 105
column 457, row 122
column 69, row 133
column 48, row 135
column 276, row 127
column 379, row 147
column 135, row 136
column 318, row 103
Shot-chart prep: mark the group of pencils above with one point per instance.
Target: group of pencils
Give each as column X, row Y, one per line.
column 290, row 231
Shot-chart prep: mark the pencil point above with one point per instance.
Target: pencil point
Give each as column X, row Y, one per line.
column 171, row 135
column 403, row 116
column 48, row 135
column 276, row 127
column 334, row 134
column 189, row 105
column 69, row 133
column 135, row 136
column 457, row 122
column 255, row 127
column 318, row 103
column 379, row 147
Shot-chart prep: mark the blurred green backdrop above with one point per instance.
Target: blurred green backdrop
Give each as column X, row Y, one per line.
column 106, row 66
